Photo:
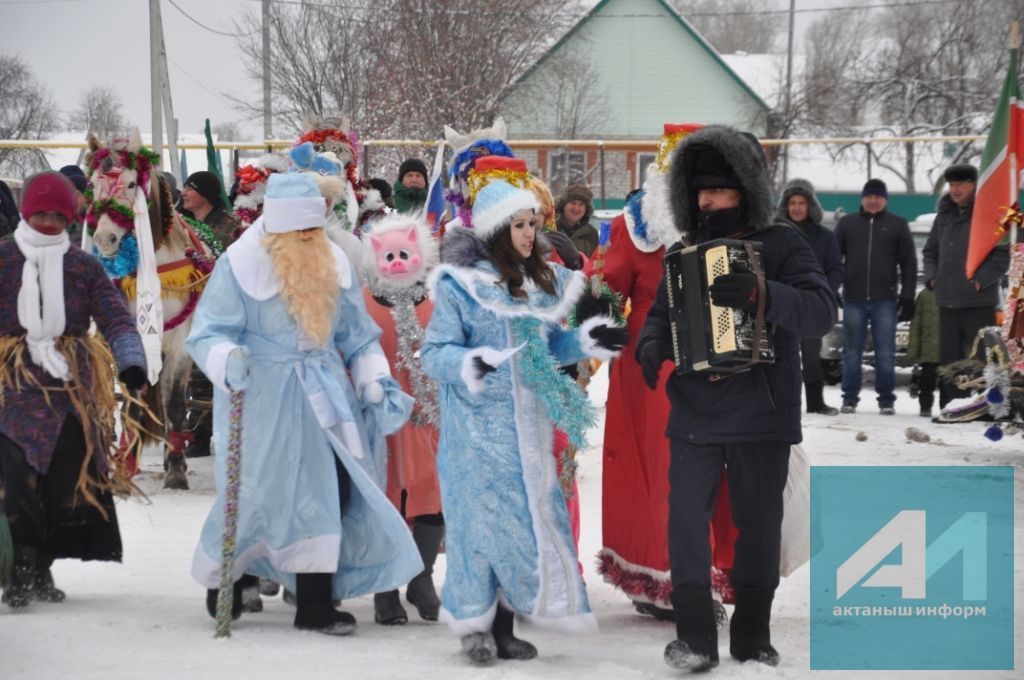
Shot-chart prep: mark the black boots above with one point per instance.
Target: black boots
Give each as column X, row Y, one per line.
column 236, row 601
column 815, row 391
column 749, row 635
column 483, row 648
column 509, row 646
column 420, row 593
column 313, row 608
column 18, row 591
column 388, row 610
column 696, row 645
column 43, row 588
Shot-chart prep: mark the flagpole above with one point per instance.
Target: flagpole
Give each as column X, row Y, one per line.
column 1014, row 177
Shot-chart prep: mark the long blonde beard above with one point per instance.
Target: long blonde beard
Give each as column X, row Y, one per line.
column 309, row 280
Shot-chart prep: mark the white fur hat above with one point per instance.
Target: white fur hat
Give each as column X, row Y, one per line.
column 496, row 204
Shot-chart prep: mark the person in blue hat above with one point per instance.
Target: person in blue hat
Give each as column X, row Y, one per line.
column 283, row 320
column 494, row 344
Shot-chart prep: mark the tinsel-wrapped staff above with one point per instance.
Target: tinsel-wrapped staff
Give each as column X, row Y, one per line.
column 234, row 480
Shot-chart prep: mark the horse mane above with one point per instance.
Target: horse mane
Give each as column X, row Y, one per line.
column 161, row 208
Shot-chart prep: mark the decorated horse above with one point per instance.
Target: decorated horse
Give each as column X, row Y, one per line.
column 161, row 264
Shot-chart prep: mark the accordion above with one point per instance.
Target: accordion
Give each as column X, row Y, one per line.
column 706, row 338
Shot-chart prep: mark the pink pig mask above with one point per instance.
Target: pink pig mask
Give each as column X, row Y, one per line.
column 398, row 253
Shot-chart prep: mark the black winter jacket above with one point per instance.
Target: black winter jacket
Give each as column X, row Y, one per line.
column 945, row 260
column 762, row 403
column 873, row 246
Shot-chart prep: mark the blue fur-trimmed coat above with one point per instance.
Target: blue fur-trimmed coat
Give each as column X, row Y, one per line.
column 507, row 529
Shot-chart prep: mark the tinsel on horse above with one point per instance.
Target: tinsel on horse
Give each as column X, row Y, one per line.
column 160, row 263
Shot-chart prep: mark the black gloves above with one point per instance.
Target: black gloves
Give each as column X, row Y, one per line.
column 134, row 378
column 905, row 309
column 737, row 290
column 590, row 306
column 482, row 368
column 651, row 355
column 566, row 249
column 611, row 338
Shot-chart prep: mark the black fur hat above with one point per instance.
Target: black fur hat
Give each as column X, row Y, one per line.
column 961, row 172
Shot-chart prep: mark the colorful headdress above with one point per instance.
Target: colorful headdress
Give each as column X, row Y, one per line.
column 252, row 187
column 490, row 168
column 655, row 212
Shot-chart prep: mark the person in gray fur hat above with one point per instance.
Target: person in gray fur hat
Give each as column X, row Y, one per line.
column 744, row 422
column 574, row 210
column 800, row 206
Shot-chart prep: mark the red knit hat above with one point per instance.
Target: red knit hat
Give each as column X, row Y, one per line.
column 48, row 191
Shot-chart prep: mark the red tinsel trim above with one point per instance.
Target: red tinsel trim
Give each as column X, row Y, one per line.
column 656, row 590
column 190, row 306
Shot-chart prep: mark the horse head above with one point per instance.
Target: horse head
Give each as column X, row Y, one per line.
column 117, row 172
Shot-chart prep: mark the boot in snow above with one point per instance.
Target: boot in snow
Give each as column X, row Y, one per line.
column 269, row 588
column 749, row 634
column 421, row 593
column 43, row 588
column 696, row 645
column 479, row 647
column 18, row 589
column 251, row 601
column 654, row 611
column 313, row 609
column 815, row 391
column 236, row 601
column 509, row 646
column 387, row 609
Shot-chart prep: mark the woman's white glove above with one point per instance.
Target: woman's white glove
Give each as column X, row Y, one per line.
column 239, row 369
column 373, row 393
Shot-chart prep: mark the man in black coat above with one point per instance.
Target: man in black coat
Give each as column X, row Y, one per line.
column 965, row 305
column 874, row 243
column 746, row 421
column 800, row 206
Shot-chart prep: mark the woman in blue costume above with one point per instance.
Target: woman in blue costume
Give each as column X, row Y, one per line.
column 494, row 344
column 283, row 319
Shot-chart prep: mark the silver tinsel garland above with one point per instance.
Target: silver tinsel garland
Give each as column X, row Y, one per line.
column 410, row 337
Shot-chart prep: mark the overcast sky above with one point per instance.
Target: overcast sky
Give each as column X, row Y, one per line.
column 72, row 45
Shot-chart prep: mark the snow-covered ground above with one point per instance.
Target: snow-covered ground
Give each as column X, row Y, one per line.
column 146, row 619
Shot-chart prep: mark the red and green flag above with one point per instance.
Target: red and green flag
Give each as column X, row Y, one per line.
column 999, row 175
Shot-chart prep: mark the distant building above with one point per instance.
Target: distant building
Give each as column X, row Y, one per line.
column 624, row 70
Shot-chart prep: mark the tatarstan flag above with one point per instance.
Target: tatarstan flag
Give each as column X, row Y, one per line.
column 999, row 175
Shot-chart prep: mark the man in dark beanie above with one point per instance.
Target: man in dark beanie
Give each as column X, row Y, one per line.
column 743, row 422
column 411, row 187
column 202, row 200
column 572, row 217
column 800, row 206
column 874, row 243
column 965, row 305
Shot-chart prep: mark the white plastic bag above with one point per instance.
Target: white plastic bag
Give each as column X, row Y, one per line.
column 796, row 513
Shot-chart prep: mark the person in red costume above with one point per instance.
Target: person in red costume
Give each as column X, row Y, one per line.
column 634, row 555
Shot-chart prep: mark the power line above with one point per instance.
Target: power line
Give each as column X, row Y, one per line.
column 205, row 27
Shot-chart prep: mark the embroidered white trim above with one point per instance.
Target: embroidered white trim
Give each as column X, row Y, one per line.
column 590, row 345
column 466, row 278
column 311, row 555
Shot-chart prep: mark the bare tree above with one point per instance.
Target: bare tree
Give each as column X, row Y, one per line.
column 927, row 71
column 99, row 111
column 228, row 131
column 26, row 112
column 736, row 25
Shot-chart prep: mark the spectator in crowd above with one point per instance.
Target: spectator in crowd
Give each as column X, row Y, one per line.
column 965, row 305
column 9, row 216
column 923, row 348
column 800, row 205
column 81, row 183
column 411, row 187
column 202, row 199
column 874, row 243
column 573, row 213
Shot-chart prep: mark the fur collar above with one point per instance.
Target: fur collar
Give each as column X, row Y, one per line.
column 746, row 160
column 801, row 187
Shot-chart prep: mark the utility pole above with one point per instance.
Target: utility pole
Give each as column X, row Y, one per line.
column 268, row 132
column 155, row 80
column 172, row 122
column 789, row 91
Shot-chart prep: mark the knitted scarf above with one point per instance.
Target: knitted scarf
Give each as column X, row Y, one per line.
column 41, row 297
